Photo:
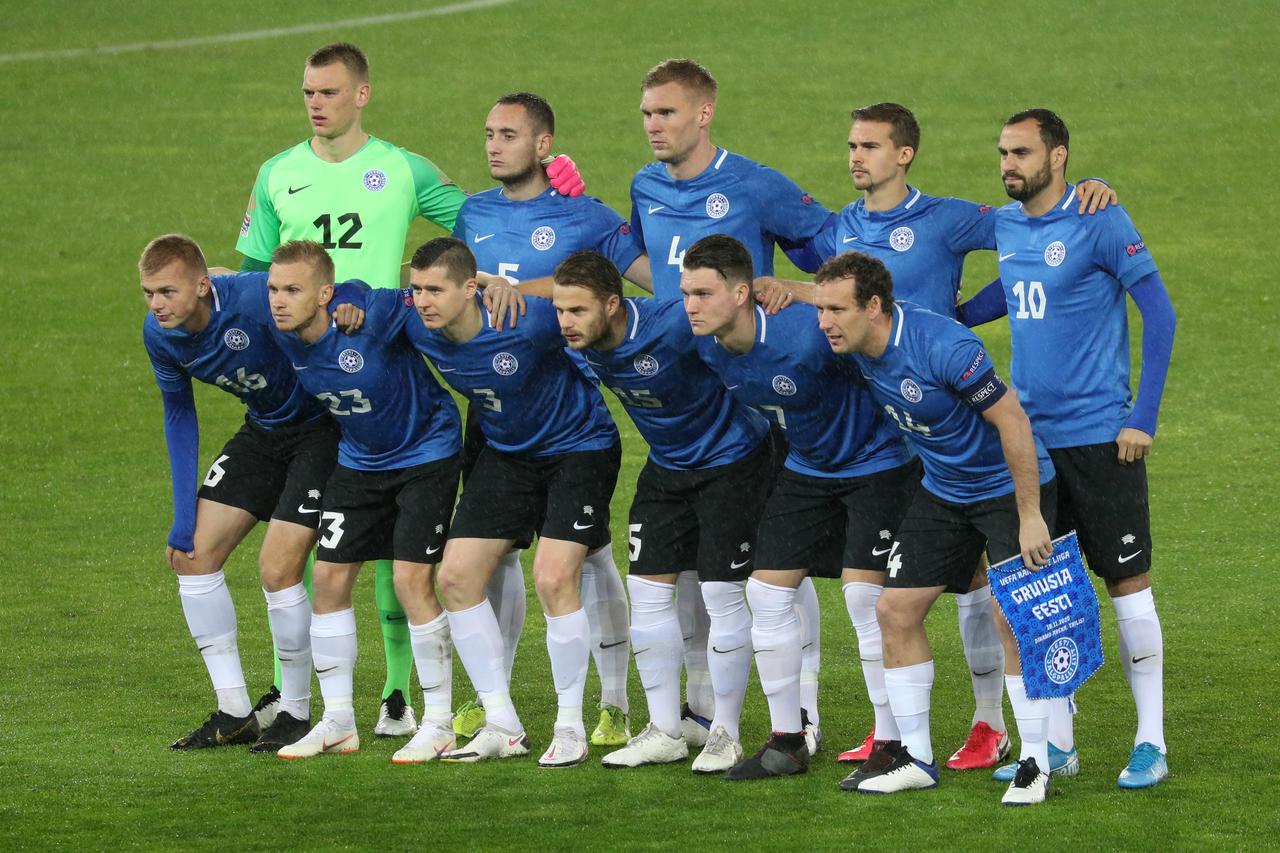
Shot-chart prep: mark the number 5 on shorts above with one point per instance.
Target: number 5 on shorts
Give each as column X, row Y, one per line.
column 634, row 541
column 332, row 520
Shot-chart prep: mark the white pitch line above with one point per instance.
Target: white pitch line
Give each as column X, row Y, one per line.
column 254, row 35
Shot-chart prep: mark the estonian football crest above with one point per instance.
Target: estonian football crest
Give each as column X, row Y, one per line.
column 645, row 364
column 717, row 205
column 505, row 363
column 911, row 391
column 543, row 238
column 783, row 385
column 236, row 339
column 1055, row 253
column 350, row 360
column 902, row 239
column 1062, row 660
column 375, row 180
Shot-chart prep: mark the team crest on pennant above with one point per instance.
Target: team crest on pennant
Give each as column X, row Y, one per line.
column 1062, row 660
column 236, row 339
column 645, row 364
column 902, row 239
column 505, row 363
column 350, row 360
column 717, row 205
column 375, row 180
column 1055, row 253
column 784, row 385
column 911, row 391
column 543, row 237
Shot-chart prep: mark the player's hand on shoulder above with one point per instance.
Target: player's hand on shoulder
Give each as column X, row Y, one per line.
column 1034, row 541
column 1095, row 196
column 348, row 318
column 502, row 300
column 772, row 293
column 564, row 176
column 1132, row 445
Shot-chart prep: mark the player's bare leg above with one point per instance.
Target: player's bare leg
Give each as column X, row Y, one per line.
column 557, row 576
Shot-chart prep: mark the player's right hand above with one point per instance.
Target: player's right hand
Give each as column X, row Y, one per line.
column 771, row 293
column 1132, row 444
column 1034, row 541
column 502, row 300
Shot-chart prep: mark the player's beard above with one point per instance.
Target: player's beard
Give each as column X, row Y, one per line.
column 522, row 178
column 1032, row 185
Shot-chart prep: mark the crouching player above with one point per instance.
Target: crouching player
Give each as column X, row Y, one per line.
column 987, row 483
column 392, row 491
column 273, row 469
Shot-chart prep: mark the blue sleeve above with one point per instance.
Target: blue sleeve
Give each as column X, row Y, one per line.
column 1120, row 249
column 986, row 305
column 1158, row 324
column 248, row 292
column 811, row 254
column 541, row 324
column 959, row 359
column 169, row 376
column 354, row 292
column 182, row 436
column 637, row 230
column 460, row 224
column 972, row 226
column 787, row 212
column 386, row 312
column 612, row 237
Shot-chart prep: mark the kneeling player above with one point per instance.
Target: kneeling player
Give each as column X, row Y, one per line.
column 987, row 482
column 551, row 456
column 392, row 491
column 846, row 482
column 218, row 330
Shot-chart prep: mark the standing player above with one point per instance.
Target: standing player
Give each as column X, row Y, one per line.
column 923, row 240
column 846, row 483
column 987, row 484
column 357, row 195
column 694, row 189
column 522, row 230
column 1063, row 282
column 697, row 503
column 393, row 489
column 273, row 469
column 550, row 459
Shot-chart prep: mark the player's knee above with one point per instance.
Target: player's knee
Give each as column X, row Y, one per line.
column 896, row 613
column 451, row 586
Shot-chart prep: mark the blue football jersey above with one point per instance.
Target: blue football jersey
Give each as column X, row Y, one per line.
column 392, row 411
column 925, row 378
column 528, row 239
column 530, row 398
column 237, row 351
column 833, row 425
column 677, row 403
column 923, row 242
column 733, row 196
column 1065, row 277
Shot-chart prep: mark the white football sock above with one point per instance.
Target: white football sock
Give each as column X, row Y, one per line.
column 605, row 601
column 1142, row 656
column 478, row 640
column 289, row 612
column 567, row 639
column 211, row 618
column 729, row 650
column 777, row 636
column 1061, row 725
column 984, row 654
column 433, row 657
column 694, row 628
column 333, row 646
column 860, row 600
column 506, row 595
column 1032, row 716
column 811, row 645
column 655, row 639
column 909, row 689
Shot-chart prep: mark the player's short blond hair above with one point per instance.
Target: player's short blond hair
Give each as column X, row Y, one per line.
column 168, row 248
column 687, row 73
column 308, row 252
column 344, row 52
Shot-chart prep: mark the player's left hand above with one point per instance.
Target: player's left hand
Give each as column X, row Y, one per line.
column 1035, row 542
column 564, row 175
column 348, row 318
column 1095, row 196
column 171, row 555
column 502, row 300
column 771, row 293
column 1132, row 445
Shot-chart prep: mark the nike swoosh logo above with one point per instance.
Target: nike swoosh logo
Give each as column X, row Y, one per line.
column 392, row 617
column 515, row 741
column 1007, row 257
column 328, row 745
column 577, row 526
column 848, row 240
column 1131, row 556
column 293, row 190
column 202, row 648
column 736, row 565
column 880, row 552
column 480, row 238
column 304, row 511
column 611, row 645
column 447, row 369
column 435, row 550
column 1141, row 659
column 655, row 208
column 326, row 669
column 721, row 651
column 980, row 674
column 188, row 363
column 731, row 387
column 635, row 653
column 297, row 366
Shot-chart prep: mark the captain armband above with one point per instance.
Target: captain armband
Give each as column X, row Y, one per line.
column 985, row 392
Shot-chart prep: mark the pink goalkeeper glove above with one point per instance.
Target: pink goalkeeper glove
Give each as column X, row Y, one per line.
column 564, row 175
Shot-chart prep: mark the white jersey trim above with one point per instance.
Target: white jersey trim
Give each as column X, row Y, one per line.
column 764, row 323
column 724, row 152
column 914, row 199
column 217, row 301
column 635, row 321
column 1069, row 198
column 897, row 335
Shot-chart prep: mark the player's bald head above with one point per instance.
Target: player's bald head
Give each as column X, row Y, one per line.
column 170, row 248
column 344, row 53
column 687, row 74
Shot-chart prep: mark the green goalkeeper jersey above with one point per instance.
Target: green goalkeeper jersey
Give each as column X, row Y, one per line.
column 359, row 209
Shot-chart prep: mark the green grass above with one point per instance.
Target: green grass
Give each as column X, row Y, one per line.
column 97, row 673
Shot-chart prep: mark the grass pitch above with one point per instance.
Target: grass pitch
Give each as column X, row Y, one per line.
column 103, row 151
